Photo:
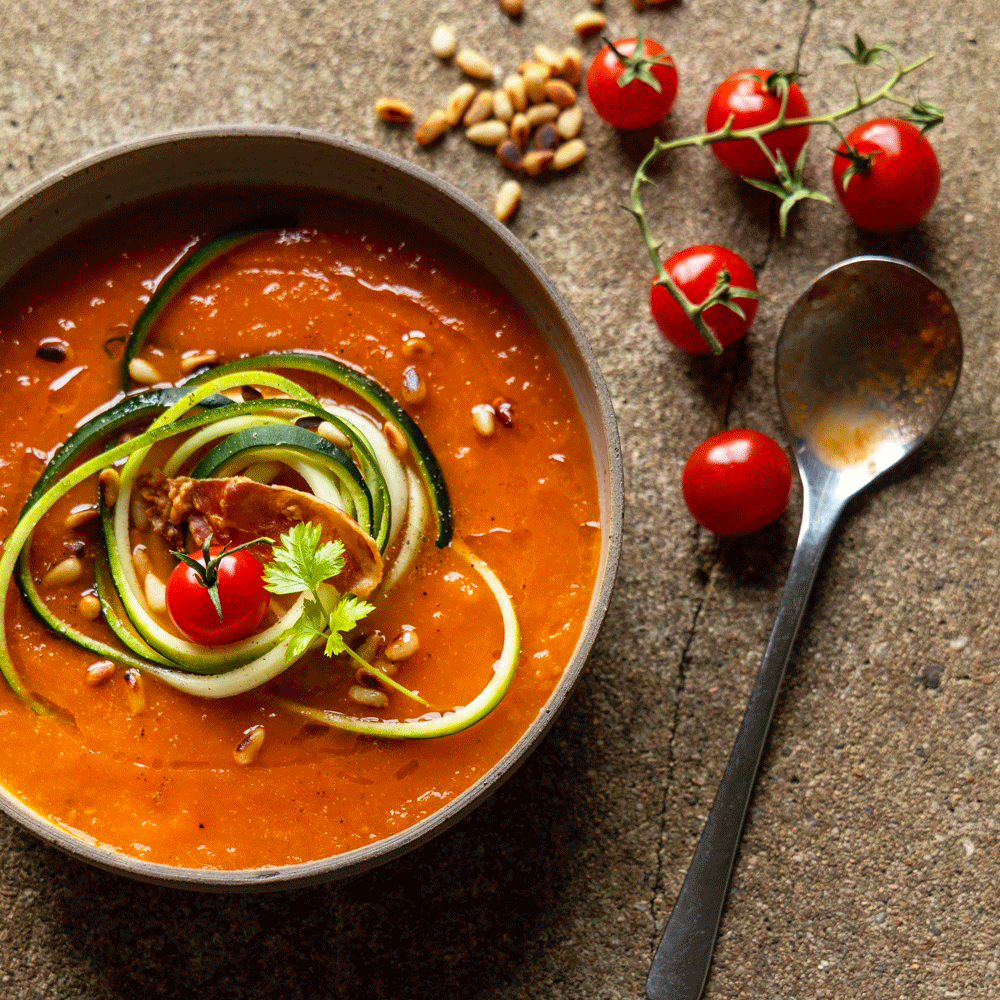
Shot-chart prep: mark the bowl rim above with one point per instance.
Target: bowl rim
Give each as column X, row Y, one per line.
column 59, row 184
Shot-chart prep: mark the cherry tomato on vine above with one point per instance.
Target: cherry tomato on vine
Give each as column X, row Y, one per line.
column 887, row 175
column 695, row 271
column 632, row 83
column 240, row 581
column 736, row 482
column 753, row 97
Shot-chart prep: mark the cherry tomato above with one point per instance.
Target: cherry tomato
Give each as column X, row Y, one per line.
column 745, row 96
column 240, row 579
column 620, row 83
column 895, row 177
column 694, row 271
column 736, row 482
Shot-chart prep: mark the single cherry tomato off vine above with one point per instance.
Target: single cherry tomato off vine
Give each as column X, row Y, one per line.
column 240, row 581
column 886, row 176
column 695, row 271
column 752, row 97
column 632, row 83
column 736, row 482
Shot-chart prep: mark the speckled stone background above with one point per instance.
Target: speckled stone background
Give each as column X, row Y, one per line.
column 870, row 865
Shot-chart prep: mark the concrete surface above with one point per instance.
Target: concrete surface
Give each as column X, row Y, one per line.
column 870, row 864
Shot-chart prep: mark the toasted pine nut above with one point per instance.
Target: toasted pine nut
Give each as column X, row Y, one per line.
column 569, row 154
column 195, row 359
column 536, row 161
column 63, row 573
column 367, row 696
column 333, row 434
column 546, row 137
column 490, row 133
column 435, row 126
column 560, row 92
column 53, row 349
column 515, row 89
column 404, row 645
column 140, row 560
column 569, row 122
column 539, row 114
column 589, row 22
column 504, row 411
column 98, row 673
column 392, row 109
column 367, row 677
column 503, row 108
column 520, row 130
column 549, row 56
column 81, row 514
column 135, row 691
column 89, row 607
column 108, row 482
column 513, row 8
column 535, row 75
column 473, row 64
column 398, row 444
column 572, row 66
column 386, row 666
column 369, row 646
column 156, row 593
column 508, row 199
column 140, row 516
column 249, row 747
column 143, row 372
column 443, row 42
column 459, row 101
column 509, row 155
column 414, row 387
column 483, row 418
column 480, row 109
column 416, row 345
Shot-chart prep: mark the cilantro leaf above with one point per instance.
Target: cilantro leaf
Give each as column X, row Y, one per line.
column 300, row 562
column 304, row 631
column 347, row 612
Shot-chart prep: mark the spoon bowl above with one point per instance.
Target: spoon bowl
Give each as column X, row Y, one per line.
column 867, row 362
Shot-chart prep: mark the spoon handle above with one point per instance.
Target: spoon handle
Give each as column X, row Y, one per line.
column 682, row 960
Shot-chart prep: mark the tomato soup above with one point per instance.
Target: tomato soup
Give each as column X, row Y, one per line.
column 158, row 779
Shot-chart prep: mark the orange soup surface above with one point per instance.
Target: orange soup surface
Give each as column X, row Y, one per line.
column 161, row 784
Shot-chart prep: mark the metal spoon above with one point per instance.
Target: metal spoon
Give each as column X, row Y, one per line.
column 867, row 362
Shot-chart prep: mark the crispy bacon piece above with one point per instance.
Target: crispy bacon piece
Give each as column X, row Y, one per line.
column 237, row 509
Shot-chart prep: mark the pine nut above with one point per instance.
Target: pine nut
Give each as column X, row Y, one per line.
column 81, row 514
column 513, row 8
column 140, row 516
column 156, row 593
column 483, row 419
column 432, row 129
column 63, row 573
column 520, row 130
column 509, row 155
column 248, row 748
column 536, row 161
column 503, row 107
column 571, row 69
column 140, row 560
column 569, row 122
column 195, row 359
column 333, row 434
column 515, row 89
column 367, row 677
column 549, row 57
column 404, row 645
column 398, row 444
column 508, row 199
column 569, row 154
column 504, row 410
column 589, row 23
column 369, row 646
column 560, row 92
column 539, row 114
column 416, row 345
column 89, row 607
column 98, row 673
column 473, row 64
column 490, row 133
column 546, row 137
column 458, row 102
column 143, row 372
column 443, row 42
column 53, row 349
column 480, row 109
column 370, row 697
column 414, row 387
column 535, row 76
column 108, row 482
column 135, row 691
column 392, row 109
column 387, row 668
